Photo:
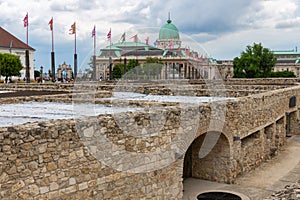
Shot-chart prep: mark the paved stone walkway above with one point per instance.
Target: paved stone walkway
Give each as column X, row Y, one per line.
column 272, row 176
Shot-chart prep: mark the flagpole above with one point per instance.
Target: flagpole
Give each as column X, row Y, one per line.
column 95, row 41
column 52, row 53
column 75, row 54
column 52, row 36
column 136, row 54
column 27, row 73
column 94, row 57
column 110, row 59
column 27, row 30
column 125, row 59
column 110, row 43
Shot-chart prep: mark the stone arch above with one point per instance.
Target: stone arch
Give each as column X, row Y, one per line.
column 215, row 165
column 64, row 71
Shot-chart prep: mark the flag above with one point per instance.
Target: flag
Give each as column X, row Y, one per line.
column 25, row 20
column 200, row 58
column 109, row 34
column 155, row 43
column 122, row 38
column 171, row 46
column 147, row 40
column 73, row 29
column 135, row 38
column 51, row 24
column 94, row 31
column 187, row 51
column 179, row 47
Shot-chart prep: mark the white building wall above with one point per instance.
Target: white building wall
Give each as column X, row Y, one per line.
column 21, row 54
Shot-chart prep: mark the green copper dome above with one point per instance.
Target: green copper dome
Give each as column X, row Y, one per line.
column 169, row 31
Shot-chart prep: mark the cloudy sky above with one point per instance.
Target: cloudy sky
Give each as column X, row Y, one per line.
column 222, row 28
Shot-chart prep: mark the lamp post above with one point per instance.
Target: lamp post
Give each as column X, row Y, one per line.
column 41, row 74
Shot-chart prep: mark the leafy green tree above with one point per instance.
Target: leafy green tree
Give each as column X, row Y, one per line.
column 132, row 64
column 10, row 65
column 118, row 71
column 255, row 62
column 283, row 74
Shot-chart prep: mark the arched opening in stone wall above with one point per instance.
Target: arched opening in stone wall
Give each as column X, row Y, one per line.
column 215, row 165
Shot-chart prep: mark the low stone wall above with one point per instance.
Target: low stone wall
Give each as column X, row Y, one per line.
column 256, row 111
column 48, row 160
column 258, row 125
column 65, row 98
column 262, row 81
column 45, row 87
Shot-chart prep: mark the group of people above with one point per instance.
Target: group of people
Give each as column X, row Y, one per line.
column 7, row 80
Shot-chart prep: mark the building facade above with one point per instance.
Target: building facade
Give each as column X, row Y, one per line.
column 178, row 62
column 288, row 61
column 10, row 44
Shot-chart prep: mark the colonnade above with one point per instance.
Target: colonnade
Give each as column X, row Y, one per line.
column 184, row 70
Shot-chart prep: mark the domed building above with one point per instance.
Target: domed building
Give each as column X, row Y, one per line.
column 179, row 62
column 168, row 35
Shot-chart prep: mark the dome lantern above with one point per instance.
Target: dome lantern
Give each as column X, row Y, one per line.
column 168, row 34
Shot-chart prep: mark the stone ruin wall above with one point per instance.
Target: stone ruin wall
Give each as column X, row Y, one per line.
column 261, row 130
column 47, row 160
column 255, row 130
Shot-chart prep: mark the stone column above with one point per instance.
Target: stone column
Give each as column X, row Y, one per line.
column 166, row 71
column 179, row 70
column 185, row 68
column 193, row 72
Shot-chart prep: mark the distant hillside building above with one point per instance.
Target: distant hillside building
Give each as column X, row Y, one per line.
column 11, row 44
column 288, row 61
column 178, row 61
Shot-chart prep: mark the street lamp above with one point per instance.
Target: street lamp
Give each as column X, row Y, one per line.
column 41, row 74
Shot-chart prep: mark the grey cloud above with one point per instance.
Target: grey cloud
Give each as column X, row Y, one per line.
column 134, row 16
column 206, row 16
column 288, row 24
column 87, row 5
column 75, row 6
column 61, row 7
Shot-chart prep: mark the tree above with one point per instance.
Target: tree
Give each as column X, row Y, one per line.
column 118, row 71
column 132, row 63
column 283, row 74
column 10, row 65
column 255, row 62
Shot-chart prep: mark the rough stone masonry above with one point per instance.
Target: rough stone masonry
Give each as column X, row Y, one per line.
column 50, row 160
